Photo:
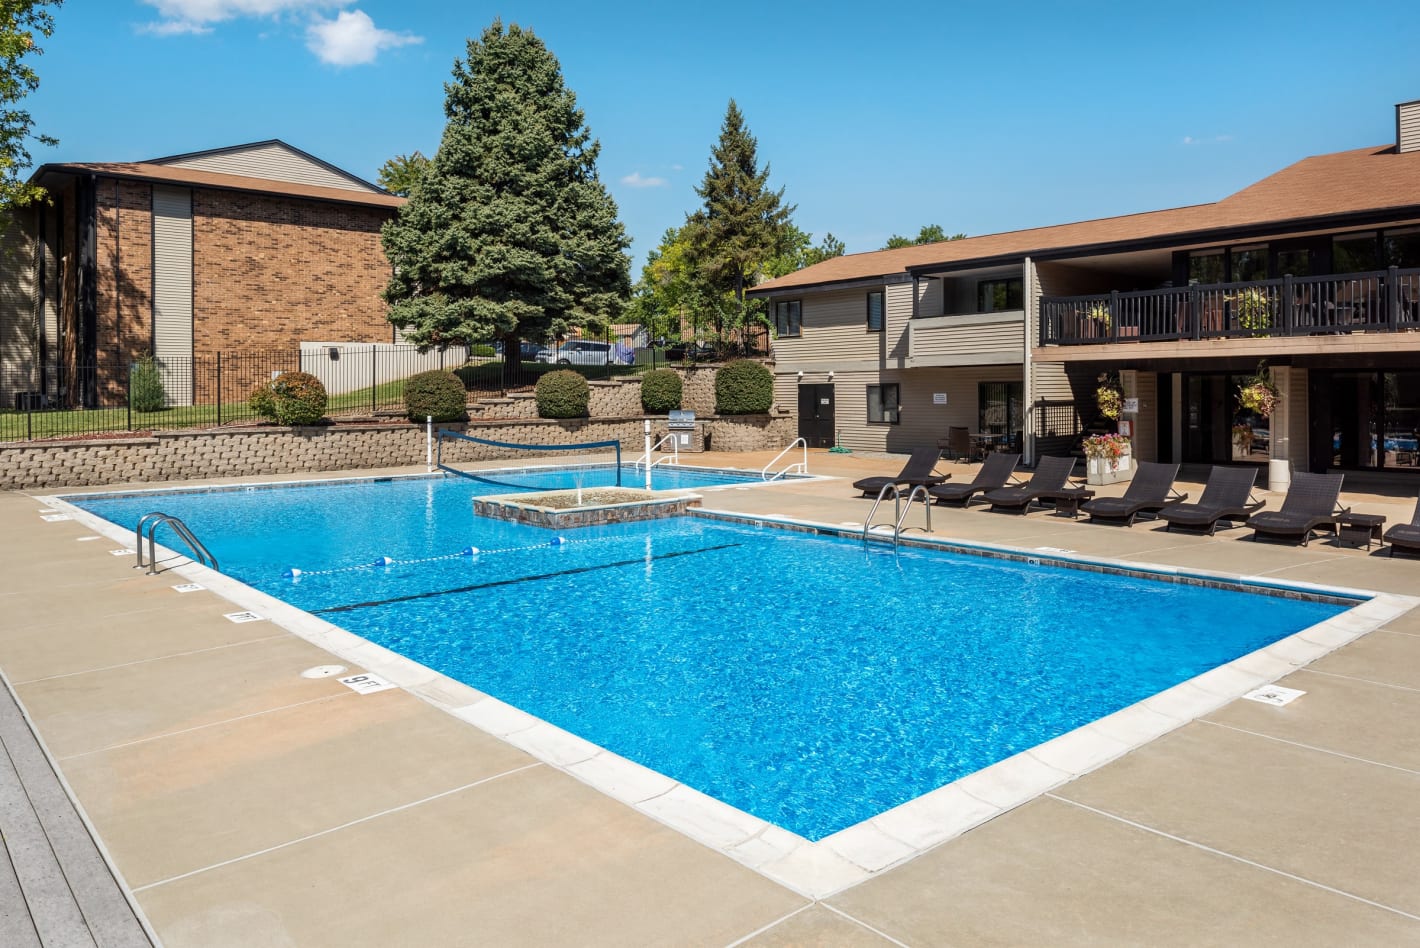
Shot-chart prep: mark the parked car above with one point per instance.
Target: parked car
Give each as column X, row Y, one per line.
column 694, row 351
column 580, row 352
column 527, row 351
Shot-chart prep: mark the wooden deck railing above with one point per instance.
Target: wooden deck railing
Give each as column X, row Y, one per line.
column 1380, row 301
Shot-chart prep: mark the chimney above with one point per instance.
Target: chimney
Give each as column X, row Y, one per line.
column 1407, row 127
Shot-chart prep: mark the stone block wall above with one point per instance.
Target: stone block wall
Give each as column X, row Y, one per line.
column 183, row 455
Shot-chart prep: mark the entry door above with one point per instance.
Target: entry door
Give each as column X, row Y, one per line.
column 816, row 415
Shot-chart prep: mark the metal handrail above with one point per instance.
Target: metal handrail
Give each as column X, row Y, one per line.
column 899, row 513
column 672, row 458
column 153, row 521
column 798, row 467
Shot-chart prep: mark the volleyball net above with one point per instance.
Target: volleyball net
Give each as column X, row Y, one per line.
column 520, row 465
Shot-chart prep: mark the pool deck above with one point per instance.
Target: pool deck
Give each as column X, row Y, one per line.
column 243, row 804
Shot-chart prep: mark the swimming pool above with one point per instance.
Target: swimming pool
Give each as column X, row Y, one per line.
column 808, row 680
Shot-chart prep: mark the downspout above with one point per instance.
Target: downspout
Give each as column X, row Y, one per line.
column 1028, row 420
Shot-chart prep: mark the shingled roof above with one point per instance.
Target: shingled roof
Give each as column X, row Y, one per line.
column 190, row 177
column 1364, row 180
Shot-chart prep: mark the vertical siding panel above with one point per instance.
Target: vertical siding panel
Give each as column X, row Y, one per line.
column 172, row 274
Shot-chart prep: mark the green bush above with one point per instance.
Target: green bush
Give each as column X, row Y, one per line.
column 292, row 398
column 435, row 393
column 660, row 391
column 145, row 386
column 743, row 387
column 481, row 351
column 562, row 394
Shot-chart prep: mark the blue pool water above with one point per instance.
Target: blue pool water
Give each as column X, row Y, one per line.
column 809, row 680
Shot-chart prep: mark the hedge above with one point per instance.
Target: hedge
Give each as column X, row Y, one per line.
column 562, row 394
column 743, row 387
column 660, row 391
column 292, row 398
column 435, row 393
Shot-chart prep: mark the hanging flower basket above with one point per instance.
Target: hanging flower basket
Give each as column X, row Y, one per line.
column 1259, row 394
column 1109, row 398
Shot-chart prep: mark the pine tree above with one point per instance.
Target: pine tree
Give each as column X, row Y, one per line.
column 510, row 233
column 743, row 223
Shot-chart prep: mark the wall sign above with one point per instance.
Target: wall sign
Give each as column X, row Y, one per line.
column 939, row 398
column 1131, row 405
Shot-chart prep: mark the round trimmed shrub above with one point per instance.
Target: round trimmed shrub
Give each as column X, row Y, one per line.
column 660, row 391
column 562, row 394
column 743, row 387
column 435, row 393
column 292, row 398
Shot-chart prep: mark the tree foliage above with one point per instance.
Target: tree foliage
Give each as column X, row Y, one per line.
column 401, row 173
column 929, row 234
column 742, row 225
column 20, row 21
column 800, row 251
column 510, row 232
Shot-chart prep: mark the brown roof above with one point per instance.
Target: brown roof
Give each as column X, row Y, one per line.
column 1347, row 182
column 143, row 171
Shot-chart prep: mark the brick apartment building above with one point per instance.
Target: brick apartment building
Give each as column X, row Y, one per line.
column 250, row 247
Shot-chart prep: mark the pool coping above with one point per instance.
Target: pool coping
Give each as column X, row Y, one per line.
column 882, row 842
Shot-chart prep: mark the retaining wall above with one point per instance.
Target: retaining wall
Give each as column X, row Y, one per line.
column 235, row 452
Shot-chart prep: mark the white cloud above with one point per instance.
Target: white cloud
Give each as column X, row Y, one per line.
column 197, row 16
column 634, row 180
column 352, row 39
column 1215, row 140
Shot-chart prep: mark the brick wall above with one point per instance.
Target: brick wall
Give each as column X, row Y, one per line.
column 124, row 250
column 182, row 455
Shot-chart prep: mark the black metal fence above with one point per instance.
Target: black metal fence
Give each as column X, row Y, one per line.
column 1057, row 427
column 115, row 393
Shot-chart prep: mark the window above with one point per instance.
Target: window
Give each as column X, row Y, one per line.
column 875, row 311
column 1249, row 264
column 999, row 410
column 998, row 296
column 786, row 318
column 1402, row 249
column 882, row 405
column 1205, row 267
column 1354, row 253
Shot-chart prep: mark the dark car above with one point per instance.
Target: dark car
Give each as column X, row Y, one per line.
column 691, row 351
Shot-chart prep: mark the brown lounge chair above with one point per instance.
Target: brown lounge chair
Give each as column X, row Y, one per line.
column 1150, row 491
column 1310, row 504
column 993, row 474
column 917, row 472
column 1405, row 536
column 1047, row 483
column 1226, row 496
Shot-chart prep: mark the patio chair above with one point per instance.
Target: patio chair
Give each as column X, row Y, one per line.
column 957, row 443
column 993, row 474
column 1405, row 536
column 917, row 472
column 1310, row 504
column 1050, row 477
column 1150, row 491
column 1226, row 496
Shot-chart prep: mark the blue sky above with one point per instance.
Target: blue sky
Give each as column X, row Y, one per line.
column 876, row 118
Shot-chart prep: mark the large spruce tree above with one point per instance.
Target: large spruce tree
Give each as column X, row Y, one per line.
column 743, row 224
column 510, row 233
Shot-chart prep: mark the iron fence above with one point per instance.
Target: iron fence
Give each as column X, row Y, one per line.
column 119, row 393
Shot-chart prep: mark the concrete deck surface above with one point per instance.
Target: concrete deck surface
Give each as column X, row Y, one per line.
column 247, row 805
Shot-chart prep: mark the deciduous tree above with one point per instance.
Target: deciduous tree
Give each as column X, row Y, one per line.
column 20, row 22
column 929, row 234
column 510, row 232
column 401, row 173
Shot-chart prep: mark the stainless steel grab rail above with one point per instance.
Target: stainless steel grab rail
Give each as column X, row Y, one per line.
column 153, row 521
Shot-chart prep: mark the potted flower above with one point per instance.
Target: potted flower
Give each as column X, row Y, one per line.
column 1108, row 397
column 1107, row 459
column 1253, row 309
column 1099, row 312
column 1259, row 393
column 1242, row 441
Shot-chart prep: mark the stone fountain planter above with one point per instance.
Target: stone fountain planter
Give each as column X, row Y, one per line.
column 562, row 509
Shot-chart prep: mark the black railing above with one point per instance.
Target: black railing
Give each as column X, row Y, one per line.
column 116, row 393
column 1379, row 301
column 1057, row 427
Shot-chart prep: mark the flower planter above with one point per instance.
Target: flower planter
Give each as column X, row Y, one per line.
column 1099, row 471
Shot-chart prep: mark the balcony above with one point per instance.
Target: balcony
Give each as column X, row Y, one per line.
column 1377, row 302
column 967, row 339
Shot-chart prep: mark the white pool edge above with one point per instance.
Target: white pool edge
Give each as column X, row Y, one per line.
column 853, row 855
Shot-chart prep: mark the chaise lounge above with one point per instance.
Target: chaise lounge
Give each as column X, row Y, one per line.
column 917, row 472
column 1310, row 504
column 993, row 475
column 1405, row 536
column 1226, row 496
column 1047, row 483
column 1150, row 491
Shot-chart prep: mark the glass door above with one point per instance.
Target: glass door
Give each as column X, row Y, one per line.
column 999, row 411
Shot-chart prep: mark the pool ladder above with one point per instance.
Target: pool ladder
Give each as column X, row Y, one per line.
column 155, row 520
column 899, row 514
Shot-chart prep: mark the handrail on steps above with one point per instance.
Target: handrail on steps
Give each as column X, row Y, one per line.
column 153, row 521
column 672, row 458
column 798, row 467
column 899, row 513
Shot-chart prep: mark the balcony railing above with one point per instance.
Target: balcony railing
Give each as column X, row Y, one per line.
column 1381, row 301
